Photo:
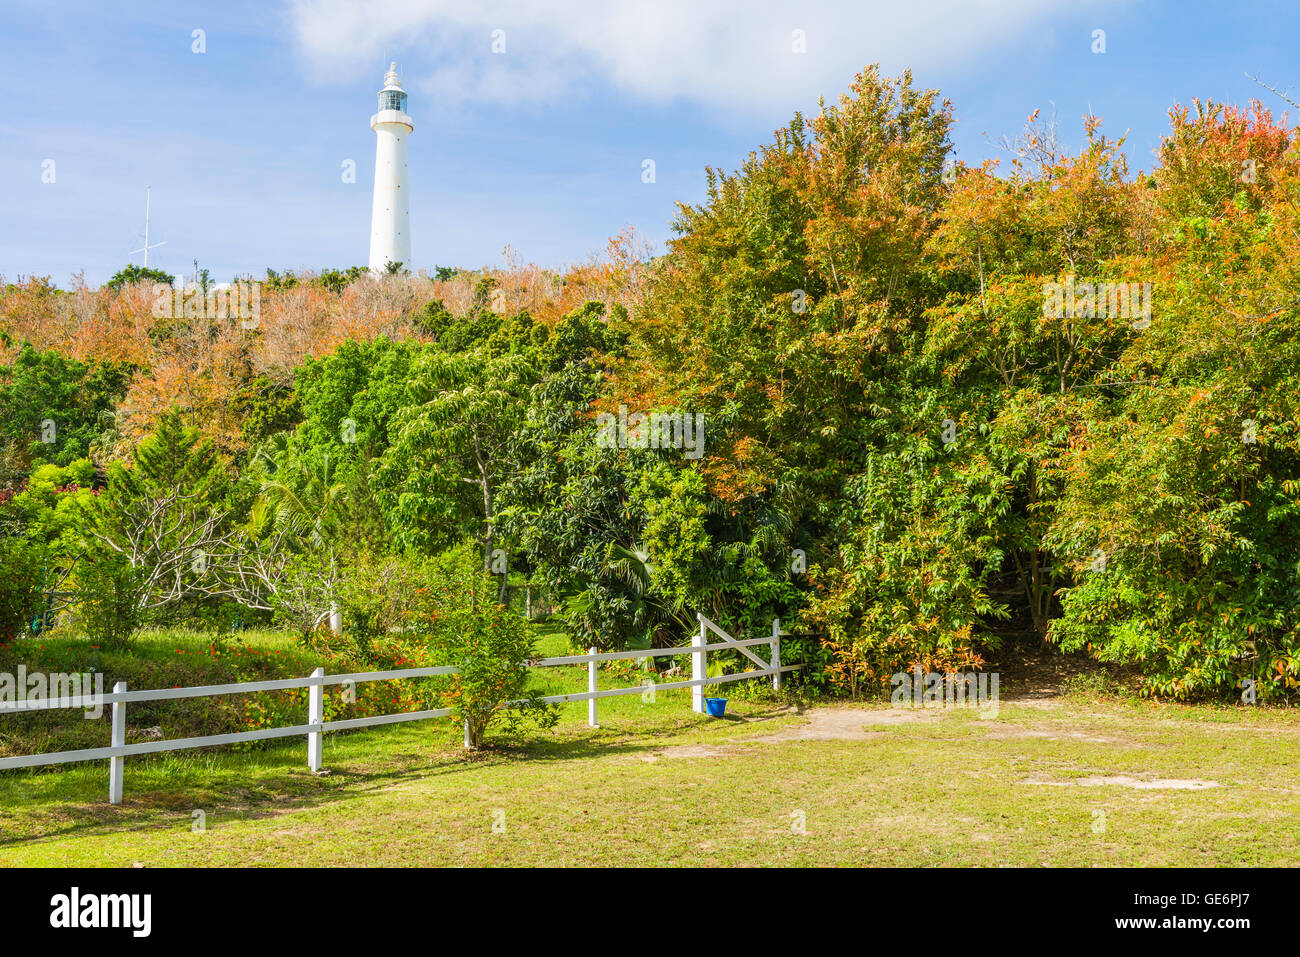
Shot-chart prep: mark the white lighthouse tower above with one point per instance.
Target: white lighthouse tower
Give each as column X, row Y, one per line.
column 390, row 216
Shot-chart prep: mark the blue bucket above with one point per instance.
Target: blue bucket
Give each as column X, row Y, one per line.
column 716, row 707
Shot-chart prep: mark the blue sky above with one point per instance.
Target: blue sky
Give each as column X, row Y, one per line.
column 541, row 146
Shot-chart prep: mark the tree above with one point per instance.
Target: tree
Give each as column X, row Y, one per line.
column 788, row 312
column 299, row 567
column 57, row 409
column 42, row 542
column 132, row 273
column 21, row 586
column 164, row 520
column 453, row 448
column 1178, row 511
column 488, row 645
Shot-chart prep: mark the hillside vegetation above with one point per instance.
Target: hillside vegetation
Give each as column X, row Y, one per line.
column 917, row 410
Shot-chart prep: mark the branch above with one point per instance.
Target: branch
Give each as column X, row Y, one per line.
column 1274, row 91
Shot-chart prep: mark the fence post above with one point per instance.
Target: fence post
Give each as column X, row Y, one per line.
column 466, row 733
column 315, row 715
column 591, row 688
column 699, row 668
column 776, row 653
column 117, row 762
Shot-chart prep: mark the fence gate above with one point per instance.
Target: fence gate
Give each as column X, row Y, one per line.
column 699, row 662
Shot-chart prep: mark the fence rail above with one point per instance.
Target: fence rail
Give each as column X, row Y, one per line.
column 317, row 726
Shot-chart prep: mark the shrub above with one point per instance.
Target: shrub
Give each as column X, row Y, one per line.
column 407, row 612
column 20, row 587
column 452, row 617
column 492, row 647
column 910, row 587
column 109, row 590
column 384, row 595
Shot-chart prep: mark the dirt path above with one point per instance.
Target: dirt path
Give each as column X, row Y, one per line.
column 855, row 723
column 819, row 724
column 845, row 724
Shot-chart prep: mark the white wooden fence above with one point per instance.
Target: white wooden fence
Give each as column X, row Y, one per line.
column 118, row 750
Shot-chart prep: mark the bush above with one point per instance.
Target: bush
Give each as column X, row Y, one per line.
column 909, row 587
column 21, row 591
column 385, row 595
column 444, row 611
column 108, row 599
column 492, row 647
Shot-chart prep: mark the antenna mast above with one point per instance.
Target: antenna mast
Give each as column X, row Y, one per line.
column 146, row 247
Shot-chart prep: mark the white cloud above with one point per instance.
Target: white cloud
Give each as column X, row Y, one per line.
column 732, row 54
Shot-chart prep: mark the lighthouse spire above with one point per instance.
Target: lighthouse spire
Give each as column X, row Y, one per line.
column 390, row 214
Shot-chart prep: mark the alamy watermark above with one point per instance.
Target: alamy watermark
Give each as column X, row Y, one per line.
column 239, row 300
column 919, row 689
column 133, row 912
column 39, row 686
column 1086, row 300
column 654, row 430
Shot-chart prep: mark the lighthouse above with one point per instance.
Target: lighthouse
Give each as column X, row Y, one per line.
column 390, row 216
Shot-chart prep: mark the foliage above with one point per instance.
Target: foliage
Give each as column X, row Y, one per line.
column 21, row 591
column 912, row 447
column 457, row 620
column 56, row 409
column 111, row 593
column 158, row 534
column 912, row 586
column 41, row 542
column 131, row 274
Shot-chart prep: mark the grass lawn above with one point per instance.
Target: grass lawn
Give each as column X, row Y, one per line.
column 1062, row 781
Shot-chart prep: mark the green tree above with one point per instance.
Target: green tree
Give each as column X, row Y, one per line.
column 132, row 273
column 57, row 409
column 453, row 448
column 489, row 646
column 165, row 520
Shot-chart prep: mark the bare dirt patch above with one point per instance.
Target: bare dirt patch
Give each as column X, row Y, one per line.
column 993, row 729
column 820, row 724
column 1125, row 781
column 688, row 751
column 845, row 724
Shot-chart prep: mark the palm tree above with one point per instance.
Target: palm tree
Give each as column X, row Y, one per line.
column 657, row 619
column 311, row 512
